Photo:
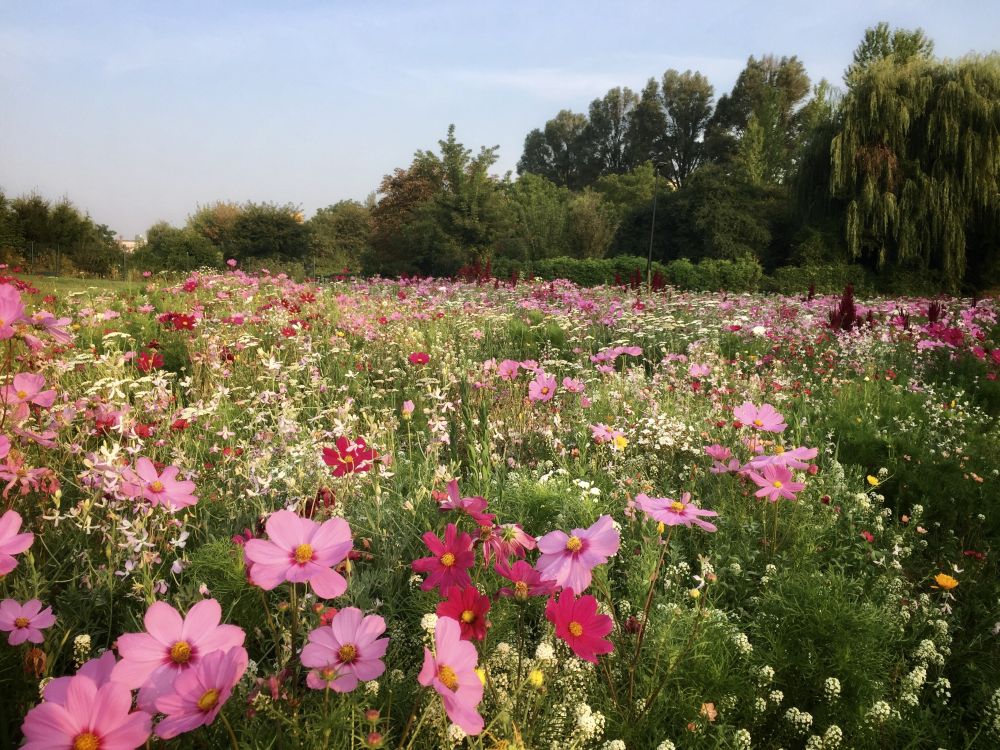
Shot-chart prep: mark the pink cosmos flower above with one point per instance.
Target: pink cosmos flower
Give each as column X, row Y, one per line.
column 468, row 608
column 473, row 506
column 573, row 385
column 527, row 581
column 26, row 388
column 98, row 670
column 345, row 652
column 298, row 550
column 92, row 718
column 407, row 410
column 25, row 622
column 794, row 458
column 672, row 512
column 775, row 482
column 171, row 644
column 568, row 559
column 419, row 358
column 159, row 489
column 577, row 622
column 698, row 371
column 722, row 458
column 542, row 388
column 451, row 670
column 200, row 692
column 765, row 419
column 12, row 543
column 449, row 561
column 505, row 541
column 11, row 310
column 507, row 370
column 349, row 457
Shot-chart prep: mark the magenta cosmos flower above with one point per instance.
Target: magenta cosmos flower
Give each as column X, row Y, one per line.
column 542, row 388
column 765, row 418
column 25, row 622
column 159, row 489
column 345, row 652
column 11, row 310
column 775, row 482
column 171, row 644
column 92, row 718
column 577, row 622
column 568, row 559
column 12, row 543
column 793, row 458
column 200, row 692
column 449, row 561
column 299, row 550
column 451, row 670
column 474, row 506
column 672, row 512
column 505, row 541
column 527, row 581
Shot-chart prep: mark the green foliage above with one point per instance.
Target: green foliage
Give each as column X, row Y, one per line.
column 267, row 230
column 171, row 249
column 341, row 237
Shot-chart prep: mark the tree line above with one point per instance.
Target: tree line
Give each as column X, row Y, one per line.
column 895, row 171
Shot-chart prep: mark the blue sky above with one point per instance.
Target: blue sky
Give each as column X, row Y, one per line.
column 139, row 111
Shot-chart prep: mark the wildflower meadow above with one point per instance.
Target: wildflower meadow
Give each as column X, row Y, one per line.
column 241, row 511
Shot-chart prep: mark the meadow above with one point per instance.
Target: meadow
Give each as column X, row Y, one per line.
column 245, row 512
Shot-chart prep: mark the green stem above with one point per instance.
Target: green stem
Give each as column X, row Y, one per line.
column 229, row 728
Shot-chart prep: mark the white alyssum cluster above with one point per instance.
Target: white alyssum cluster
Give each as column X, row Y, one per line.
column 801, row 721
column 831, row 689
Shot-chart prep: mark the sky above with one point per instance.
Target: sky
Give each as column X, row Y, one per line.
column 142, row 111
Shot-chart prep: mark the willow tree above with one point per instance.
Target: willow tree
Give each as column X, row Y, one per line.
column 917, row 158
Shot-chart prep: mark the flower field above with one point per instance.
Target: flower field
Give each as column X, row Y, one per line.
column 240, row 511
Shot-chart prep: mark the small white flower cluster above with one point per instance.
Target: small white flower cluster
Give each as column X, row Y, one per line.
column 927, row 652
column 545, row 653
column 992, row 719
column 879, row 713
column 666, row 745
column 589, row 723
column 776, row 697
column 81, row 649
column 743, row 643
column 942, row 689
column 614, row 745
column 913, row 682
column 742, row 739
column 765, row 675
column 760, row 705
column 832, row 737
column 801, row 721
column 831, row 689
column 428, row 622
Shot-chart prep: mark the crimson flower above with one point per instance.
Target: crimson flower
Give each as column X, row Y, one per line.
column 469, row 608
column 349, row 457
column 419, row 358
column 449, row 561
column 577, row 623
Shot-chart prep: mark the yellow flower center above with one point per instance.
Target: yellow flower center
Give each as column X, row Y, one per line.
column 777, row 484
column 448, row 677
column 677, row 507
column 468, row 616
column 758, row 423
column 208, row 700
column 447, row 559
column 156, row 486
column 21, row 622
column 520, row 590
column 22, row 395
column 545, row 390
column 348, row 458
column 347, row 653
column 180, row 652
column 328, row 674
column 575, row 629
column 2, row 322
column 779, row 449
column 86, row 741
column 574, row 543
column 303, row 554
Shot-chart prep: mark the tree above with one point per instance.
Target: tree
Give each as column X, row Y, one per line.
column 647, row 126
column 540, row 211
column 267, row 231
column 11, row 232
column 916, row 159
column 170, row 249
column 592, row 225
column 773, row 90
column 402, row 193
column 342, row 237
column 687, row 101
column 606, row 137
column 628, row 191
column 881, row 43
column 215, row 222
column 559, row 152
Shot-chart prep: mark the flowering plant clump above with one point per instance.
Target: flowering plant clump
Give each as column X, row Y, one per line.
column 595, row 518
